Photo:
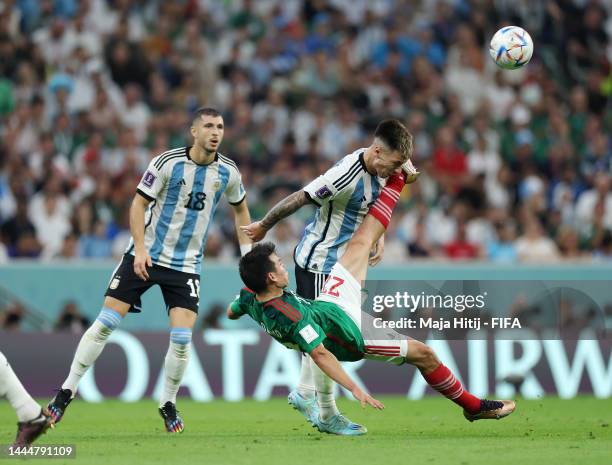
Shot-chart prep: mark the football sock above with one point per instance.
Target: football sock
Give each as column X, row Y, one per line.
column 384, row 205
column 325, row 393
column 443, row 381
column 91, row 345
column 306, row 388
column 25, row 407
column 175, row 363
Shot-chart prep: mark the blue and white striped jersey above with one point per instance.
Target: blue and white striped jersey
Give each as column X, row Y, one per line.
column 344, row 194
column 184, row 198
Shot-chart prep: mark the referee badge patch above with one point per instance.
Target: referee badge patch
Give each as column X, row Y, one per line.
column 308, row 334
column 323, row 192
column 148, row 179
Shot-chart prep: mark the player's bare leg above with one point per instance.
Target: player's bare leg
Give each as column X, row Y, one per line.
column 356, row 256
column 355, row 262
column 90, row 347
column 175, row 363
column 439, row 377
column 357, row 253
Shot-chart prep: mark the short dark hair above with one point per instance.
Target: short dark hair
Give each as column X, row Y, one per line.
column 396, row 136
column 202, row 111
column 255, row 266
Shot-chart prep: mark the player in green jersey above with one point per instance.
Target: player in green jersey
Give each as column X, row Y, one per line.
column 329, row 328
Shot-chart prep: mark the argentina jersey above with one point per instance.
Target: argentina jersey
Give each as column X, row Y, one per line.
column 184, row 196
column 344, row 194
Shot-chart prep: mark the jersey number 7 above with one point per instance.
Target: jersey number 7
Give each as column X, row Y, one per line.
column 331, row 286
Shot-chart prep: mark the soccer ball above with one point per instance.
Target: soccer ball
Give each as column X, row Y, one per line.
column 511, row 47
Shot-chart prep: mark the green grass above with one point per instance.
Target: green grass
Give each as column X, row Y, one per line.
column 430, row 431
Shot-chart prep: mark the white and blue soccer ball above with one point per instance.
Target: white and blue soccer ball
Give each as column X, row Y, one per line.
column 511, row 47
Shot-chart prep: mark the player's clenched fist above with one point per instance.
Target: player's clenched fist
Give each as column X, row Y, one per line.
column 254, row 231
column 141, row 261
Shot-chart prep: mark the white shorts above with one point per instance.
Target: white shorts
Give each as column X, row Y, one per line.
column 342, row 289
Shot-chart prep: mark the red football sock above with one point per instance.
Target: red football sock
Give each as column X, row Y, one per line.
column 443, row 381
column 384, row 205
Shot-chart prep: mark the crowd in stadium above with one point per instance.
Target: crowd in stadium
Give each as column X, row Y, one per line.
column 516, row 165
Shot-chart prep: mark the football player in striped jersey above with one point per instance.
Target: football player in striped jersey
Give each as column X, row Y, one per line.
column 170, row 218
column 342, row 196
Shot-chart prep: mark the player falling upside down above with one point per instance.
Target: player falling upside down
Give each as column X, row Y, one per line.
column 329, row 328
column 169, row 220
column 342, row 196
column 33, row 420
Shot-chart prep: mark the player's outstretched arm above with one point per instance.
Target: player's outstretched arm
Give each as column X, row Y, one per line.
column 242, row 218
column 330, row 365
column 141, row 256
column 257, row 231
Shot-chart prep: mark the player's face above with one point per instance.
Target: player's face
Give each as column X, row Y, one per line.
column 386, row 162
column 208, row 132
column 280, row 276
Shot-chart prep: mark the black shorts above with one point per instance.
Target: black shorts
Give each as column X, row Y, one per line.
column 179, row 289
column 309, row 284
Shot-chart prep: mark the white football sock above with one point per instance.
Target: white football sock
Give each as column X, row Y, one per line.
column 175, row 363
column 325, row 393
column 90, row 346
column 25, row 407
column 306, row 388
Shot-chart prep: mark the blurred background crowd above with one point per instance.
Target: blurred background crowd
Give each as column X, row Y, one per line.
column 516, row 165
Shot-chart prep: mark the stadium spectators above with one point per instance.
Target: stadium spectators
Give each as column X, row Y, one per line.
column 90, row 91
column 213, row 317
column 533, row 245
column 71, row 320
column 12, row 317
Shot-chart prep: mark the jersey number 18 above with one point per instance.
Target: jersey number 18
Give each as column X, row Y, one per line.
column 196, row 201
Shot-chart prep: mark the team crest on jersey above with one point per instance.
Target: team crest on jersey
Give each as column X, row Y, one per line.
column 115, row 282
column 148, row 179
column 216, row 185
column 323, row 192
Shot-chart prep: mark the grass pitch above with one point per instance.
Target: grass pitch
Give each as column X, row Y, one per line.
column 429, row 431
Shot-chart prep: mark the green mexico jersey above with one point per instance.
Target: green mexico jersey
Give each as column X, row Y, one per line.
column 303, row 324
